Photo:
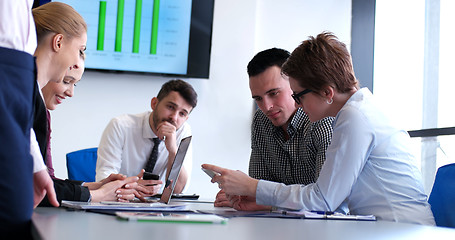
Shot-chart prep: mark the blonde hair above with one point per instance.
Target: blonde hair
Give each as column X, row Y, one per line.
column 57, row 17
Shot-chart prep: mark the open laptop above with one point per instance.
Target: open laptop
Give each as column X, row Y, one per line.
column 137, row 206
column 171, row 181
column 175, row 170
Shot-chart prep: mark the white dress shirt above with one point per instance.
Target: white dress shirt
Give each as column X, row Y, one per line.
column 126, row 145
column 38, row 162
column 19, row 34
column 368, row 165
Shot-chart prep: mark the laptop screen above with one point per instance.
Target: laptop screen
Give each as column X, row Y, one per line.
column 175, row 170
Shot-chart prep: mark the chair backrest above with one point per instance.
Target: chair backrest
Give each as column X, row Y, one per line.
column 442, row 197
column 81, row 164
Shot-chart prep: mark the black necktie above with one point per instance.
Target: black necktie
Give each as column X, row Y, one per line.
column 153, row 156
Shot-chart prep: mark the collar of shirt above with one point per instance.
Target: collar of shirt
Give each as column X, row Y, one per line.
column 357, row 98
column 147, row 131
column 297, row 122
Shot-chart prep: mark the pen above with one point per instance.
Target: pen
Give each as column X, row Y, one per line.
column 323, row 212
column 284, row 212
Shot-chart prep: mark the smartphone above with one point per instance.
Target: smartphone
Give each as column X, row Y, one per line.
column 210, row 172
column 150, row 176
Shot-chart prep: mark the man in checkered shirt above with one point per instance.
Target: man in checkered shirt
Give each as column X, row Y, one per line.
column 285, row 146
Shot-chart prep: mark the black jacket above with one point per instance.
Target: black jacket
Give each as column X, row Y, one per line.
column 68, row 190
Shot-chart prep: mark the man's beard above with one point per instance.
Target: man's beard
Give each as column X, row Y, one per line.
column 156, row 121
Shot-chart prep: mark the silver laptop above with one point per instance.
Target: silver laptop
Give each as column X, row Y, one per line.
column 175, row 170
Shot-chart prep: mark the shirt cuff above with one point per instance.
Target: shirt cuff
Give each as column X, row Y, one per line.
column 265, row 192
column 38, row 162
column 85, row 195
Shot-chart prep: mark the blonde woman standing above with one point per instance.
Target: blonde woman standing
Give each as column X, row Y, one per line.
column 62, row 37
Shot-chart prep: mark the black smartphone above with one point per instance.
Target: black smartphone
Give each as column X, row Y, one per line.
column 150, row 176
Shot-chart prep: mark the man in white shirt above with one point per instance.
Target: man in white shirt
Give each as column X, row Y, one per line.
column 128, row 140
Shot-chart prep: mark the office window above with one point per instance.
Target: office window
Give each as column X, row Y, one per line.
column 413, row 79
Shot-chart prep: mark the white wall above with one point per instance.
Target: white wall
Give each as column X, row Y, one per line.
column 221, row 121
column 286, row 23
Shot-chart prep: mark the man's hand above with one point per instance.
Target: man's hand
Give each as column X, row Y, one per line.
column 42, row 184
column 222, row 200
column 243, row 203
column 166, row 131
column 148, row 188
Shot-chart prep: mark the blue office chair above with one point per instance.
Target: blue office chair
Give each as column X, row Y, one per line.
column 81, row 164
column 442, row 197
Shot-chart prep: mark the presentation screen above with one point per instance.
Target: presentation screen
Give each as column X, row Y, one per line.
column 168, row 37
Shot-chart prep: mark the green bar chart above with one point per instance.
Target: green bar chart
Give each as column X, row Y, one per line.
column 101, row 26
column 137, row 35
column 155, row 19
column 119, row 28
column 137, row 26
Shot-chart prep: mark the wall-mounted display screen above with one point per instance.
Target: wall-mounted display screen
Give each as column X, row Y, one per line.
column 169, row 37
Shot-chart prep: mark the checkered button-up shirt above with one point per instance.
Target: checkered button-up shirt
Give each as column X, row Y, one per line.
column 295, row 161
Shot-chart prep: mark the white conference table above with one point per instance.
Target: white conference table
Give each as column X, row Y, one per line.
column 59, row 223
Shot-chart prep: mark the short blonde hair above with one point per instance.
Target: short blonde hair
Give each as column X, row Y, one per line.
column 57, row 17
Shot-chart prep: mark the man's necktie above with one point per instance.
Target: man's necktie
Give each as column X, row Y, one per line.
column 153, row 156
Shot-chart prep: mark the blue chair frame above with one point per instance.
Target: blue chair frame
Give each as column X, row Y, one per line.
column 81, row 164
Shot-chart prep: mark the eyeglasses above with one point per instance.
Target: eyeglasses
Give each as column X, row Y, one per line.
column 297, row 96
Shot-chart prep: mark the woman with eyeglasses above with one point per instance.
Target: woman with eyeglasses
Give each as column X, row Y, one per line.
column 369, row 166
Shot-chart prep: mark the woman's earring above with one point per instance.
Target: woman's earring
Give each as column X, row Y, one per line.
column 330, row 101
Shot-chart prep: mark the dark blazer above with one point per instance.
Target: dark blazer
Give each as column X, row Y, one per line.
column 40, row 123
column 64, row 189
column 17, row 85
column 68, row 190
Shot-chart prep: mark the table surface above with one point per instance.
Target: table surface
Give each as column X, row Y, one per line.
column 59, row 223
